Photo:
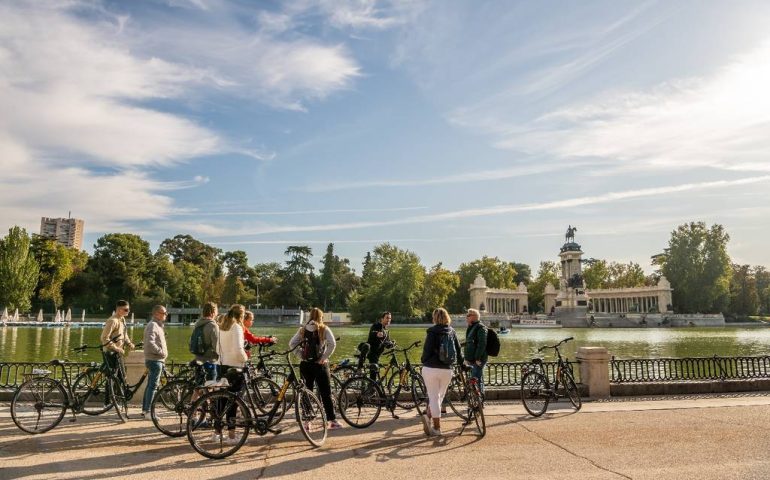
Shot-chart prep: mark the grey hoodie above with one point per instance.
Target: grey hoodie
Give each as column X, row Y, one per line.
column 210, row 340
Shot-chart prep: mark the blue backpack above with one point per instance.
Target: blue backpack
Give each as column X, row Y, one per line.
column 447, row 353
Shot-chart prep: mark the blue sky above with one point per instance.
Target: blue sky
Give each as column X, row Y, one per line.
column 453, row 129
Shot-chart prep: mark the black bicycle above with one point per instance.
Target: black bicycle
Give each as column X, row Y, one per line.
column 475, row 403
column 220, row 420
column 40, row 402
column 537, row 391
column 361, row 399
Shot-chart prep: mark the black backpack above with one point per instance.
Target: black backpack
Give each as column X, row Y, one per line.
column 197, row 345
column 493, row 343
column 311, row 350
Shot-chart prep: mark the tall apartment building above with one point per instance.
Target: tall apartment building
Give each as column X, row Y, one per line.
column 66, row 231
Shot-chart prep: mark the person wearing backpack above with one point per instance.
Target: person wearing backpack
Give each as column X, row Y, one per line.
column 441, row 350
column 204, row 340
column 476, row 346
column 315, row 353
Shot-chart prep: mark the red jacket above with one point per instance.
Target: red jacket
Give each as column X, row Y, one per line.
column 255, row 340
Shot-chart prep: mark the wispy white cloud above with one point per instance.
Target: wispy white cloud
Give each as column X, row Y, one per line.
column 243, row 213
column 567, row 203
column 370, row 241
column 521, row 170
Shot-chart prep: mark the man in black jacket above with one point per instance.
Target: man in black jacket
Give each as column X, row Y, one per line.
column 379, row 337
column 476, row 345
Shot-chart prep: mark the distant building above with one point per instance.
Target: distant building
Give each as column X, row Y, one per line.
column 66, row 231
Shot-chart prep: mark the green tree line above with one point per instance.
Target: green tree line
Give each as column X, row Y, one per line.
column 37, row 272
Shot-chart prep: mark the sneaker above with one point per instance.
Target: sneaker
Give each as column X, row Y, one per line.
column 308, row 426
column 217, row 437
column 334, row 425
column 425, row 424
column 145, row 416
column 231, row 441
column 435, row 432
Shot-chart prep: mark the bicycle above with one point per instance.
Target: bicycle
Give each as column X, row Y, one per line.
column 239, row 412
column 40, row 402
column 361, row 399
column 536, row 389
column 475, row 403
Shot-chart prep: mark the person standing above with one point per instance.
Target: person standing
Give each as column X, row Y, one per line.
column 314, row 367
column 441, row 351
column 378, row 339
column 114, row 338
column 476, row 346
column 232, row 356
column 205, row 338
column 155, row 354
column 251, row 339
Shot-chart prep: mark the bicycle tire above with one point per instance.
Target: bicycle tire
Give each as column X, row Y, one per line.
column 311, row 417
column 534, row 393
column 476, row 408
column 457, row 398
column 38, row 399
column 419, row 393
column 264, row 393
column 571, row 389
column 360, row 402
column 336, row 387
column 87, row 391
column 171, row 406
column 205, row 431
column 118, row 397
column 403, row 401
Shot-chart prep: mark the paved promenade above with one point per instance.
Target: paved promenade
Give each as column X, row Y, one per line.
column 703, row 437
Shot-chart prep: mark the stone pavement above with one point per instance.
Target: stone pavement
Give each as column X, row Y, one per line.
column 703, row 437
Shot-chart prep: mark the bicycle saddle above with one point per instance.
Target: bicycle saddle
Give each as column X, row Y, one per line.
column 56, row 361
column 195, row 363
column 537, row 361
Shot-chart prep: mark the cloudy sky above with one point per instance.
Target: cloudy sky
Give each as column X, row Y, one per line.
column 454, row 129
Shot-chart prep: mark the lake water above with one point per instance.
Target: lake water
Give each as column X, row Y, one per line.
column 42, row 344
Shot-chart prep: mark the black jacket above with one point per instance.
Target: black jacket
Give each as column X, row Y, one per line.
column 433, row 342
column 376, row 343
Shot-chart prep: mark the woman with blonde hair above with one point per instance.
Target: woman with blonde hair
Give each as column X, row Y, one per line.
column 315, row 354
column 232, row 355
column 441, row 350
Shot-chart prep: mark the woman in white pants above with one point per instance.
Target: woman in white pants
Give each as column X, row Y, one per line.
column 441, row 350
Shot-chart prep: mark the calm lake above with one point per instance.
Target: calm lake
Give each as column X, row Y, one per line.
column 45, row 343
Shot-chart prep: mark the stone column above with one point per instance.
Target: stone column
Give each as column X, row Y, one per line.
column 134, row 370
column 595, row 371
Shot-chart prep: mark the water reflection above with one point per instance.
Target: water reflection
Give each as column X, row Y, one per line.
column 41, row 344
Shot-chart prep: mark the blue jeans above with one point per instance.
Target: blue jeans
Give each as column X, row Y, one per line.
column 155, row 368
column 477, row 372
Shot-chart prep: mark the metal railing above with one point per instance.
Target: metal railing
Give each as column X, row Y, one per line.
column 640, row 370
column 496, row 374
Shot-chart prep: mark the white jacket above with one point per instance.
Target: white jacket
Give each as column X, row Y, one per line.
column 230, row 347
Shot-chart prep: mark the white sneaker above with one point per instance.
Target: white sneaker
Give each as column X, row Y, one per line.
column 146, row 416
column 435, row 432
column 231, row 441
column 216, row 438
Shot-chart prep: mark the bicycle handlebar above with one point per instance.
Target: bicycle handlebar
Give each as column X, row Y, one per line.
column 555, row 346
column 85, row 347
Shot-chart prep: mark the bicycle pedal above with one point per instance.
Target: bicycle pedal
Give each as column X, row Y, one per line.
column 274, row 431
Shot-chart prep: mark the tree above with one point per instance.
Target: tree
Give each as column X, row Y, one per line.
column 744, row 298
column 547, row 273
column 762, row 277
column 336, row 281
column 238, row 279
column 18, row 270
column 496, row 272
column 600, row 274
column 58, row 264
column 195, row 252
column 596, row 274
column 698, row 267
column 394, row 282
column 123, row 261
column 440, row 283
column 523, row 273
column 267, row 281
column 297, row 286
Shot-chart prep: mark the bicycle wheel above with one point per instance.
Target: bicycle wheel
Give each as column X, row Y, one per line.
column 572, row 391
column 457, row 398
column 170, row 408
column 476, row 409
column 404, row 399
column 90, row 387
column 336, row 387
column 360, row 402
column 265, row 392
column 119, row 398
column 419, row 393
column 220, row 426
column 534, row 393
column 311, row 417
column 38, row 405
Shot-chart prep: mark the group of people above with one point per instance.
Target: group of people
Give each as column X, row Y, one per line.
column 220, row 343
